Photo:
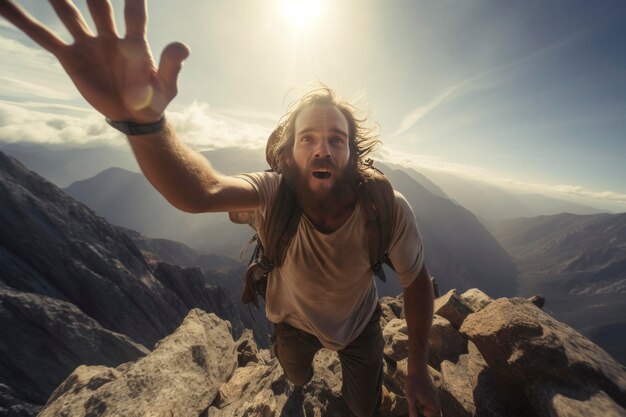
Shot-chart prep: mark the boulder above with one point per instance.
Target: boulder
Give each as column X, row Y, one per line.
column 181, row 377
column 470, row 381
column 558, row 400
column 452, row 307
column 475, row 299
column 396, row 340
column 530, row 352
column 444, row 343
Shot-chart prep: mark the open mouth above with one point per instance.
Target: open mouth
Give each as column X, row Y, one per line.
column 322, row 175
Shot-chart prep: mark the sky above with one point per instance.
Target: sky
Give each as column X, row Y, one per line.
column 528, row 95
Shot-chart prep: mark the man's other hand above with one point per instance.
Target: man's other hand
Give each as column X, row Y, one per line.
column 117, row 76
column 422, row 396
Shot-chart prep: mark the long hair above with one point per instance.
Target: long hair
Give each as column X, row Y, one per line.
column 362, row 139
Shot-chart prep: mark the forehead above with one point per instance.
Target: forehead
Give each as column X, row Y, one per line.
column 321, row 117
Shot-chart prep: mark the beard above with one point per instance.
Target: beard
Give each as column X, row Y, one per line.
column 321, row 202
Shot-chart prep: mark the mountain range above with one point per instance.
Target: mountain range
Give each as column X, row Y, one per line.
column 455, row 241
column 491, row 203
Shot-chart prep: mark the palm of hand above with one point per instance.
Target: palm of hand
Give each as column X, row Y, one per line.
column 117, row 76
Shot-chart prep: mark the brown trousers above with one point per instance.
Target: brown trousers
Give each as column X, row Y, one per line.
column 361, row 362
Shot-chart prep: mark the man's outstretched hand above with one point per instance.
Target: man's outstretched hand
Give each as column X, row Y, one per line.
column 117, row 76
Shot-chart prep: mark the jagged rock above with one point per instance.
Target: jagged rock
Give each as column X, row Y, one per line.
column 475, row 299
column 444, row 342
column 195, row 291
column 452, row 307
column 250, row 387
column 243, row 377
column 538, row 300
column 459, row 384
column 52, row 245
column 395, row 378
column 528, row 350
column 247, row 350
column 181, row 377
column 47, row 338
column 396, row 340
column 470, row 381
column 562, row 401
column 393, row 308
column 11, row 405
column 262, row 405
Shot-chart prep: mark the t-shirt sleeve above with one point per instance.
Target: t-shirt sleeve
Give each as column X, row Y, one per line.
column 266, row 185
column 406, row 251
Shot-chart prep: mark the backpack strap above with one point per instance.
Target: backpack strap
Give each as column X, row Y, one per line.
column 284, row 217
column 378, row 201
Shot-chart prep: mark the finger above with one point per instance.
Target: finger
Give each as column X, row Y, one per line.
column 71, row 18
column 136, row 15
column 31, row 27
column 102, row 15
column 169, row 67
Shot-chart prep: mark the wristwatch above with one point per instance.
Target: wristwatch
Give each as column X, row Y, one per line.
column 134, row 129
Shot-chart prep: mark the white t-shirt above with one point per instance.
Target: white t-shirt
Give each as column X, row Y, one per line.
column 326, row 285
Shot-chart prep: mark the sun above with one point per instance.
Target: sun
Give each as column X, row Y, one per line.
column 301, row 14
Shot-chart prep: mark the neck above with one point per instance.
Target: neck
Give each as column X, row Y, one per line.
column 332, row 218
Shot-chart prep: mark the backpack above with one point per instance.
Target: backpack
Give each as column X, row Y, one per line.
column 377, row 200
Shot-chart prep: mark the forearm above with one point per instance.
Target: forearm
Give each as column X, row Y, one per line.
column 418, row 308
column 183, row 176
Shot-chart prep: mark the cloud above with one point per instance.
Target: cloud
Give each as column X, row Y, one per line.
column 420, row 162
column 204, row 129
column 416, row 115
column 198, row 125
column 19, row 123
column 25, row 89
column 33, row 74
column 568, row 189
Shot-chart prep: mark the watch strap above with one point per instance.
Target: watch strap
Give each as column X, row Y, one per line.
column 134, row 129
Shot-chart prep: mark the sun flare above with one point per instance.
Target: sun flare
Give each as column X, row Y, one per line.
column 301, row 14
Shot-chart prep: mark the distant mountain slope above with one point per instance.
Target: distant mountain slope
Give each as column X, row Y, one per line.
column 579, row 263
column 459, row 250
column 63, row 166
column 127, row 199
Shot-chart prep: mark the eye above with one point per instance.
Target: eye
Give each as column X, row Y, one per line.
column 337, row 140
column 305, row 139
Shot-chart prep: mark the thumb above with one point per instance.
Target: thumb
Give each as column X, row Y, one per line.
column 171, row 62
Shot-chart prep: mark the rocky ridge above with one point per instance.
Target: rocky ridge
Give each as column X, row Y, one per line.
column 503, row 357
column 75, row 290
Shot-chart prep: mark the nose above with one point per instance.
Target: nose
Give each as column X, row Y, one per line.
column 322, row 150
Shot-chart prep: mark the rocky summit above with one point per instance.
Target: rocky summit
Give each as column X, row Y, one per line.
column 503, row 357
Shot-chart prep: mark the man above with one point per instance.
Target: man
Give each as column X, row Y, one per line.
column 323, row 294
